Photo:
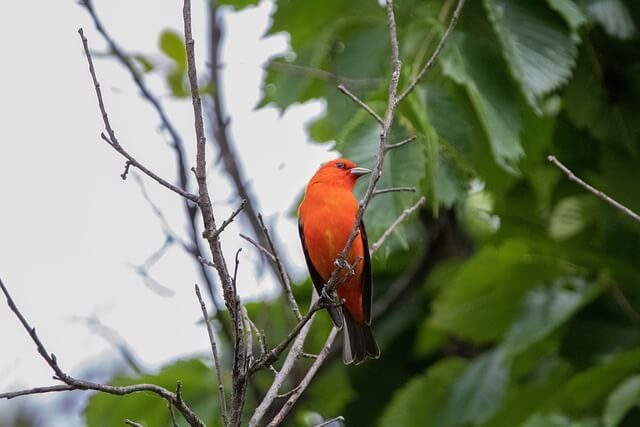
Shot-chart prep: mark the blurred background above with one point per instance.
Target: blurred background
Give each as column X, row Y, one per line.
column 511, row 299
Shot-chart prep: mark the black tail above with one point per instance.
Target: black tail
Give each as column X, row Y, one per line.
column 359, row 343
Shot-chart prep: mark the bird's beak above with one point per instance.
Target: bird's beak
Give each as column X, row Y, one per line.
column 358, row 172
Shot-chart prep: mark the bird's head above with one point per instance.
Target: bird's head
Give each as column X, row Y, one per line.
column 339, row 172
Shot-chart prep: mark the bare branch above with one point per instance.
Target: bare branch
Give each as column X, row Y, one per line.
column 204, row 201
column 361, row 103
column 284, row 276
column 77, row 384
column 401, row 143
column 395, row 224
column 394, row 190
column 277, row 420
column 228, row 220
column 436, row 52
column 113, row 141
column 592, row 190
column 258, row 246
column 132, row 423
column 216, row 360
column 36, row 390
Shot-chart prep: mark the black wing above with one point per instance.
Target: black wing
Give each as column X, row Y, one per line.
column 365, row 280
column 318, row 282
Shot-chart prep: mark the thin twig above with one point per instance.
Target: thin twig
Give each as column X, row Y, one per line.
column 258, row 246
column 132, row 423
column 216, row 360
column 77, row 384
column 401, row 143
column 229, row 220
column 394, row 190
column 592, row 190
column 361, row 103
column 395, row 224
column 279, row 418
column 284, row 276
column 436, row 52
column 113, row 141
column 36, row 390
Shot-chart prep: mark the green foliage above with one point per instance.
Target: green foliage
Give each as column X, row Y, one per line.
column 172, row 45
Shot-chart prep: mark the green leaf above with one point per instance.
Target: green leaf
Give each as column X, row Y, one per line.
column 614, row 17
column 420, row 400
column 545, row 308
column 621, row 400
column 570, row 216
column 172, row 45
column 592, row 386
column 479, row 390
column 483, row 298
column 147, row 408
column 571, row 12
column 493, row 96
column 536, row 44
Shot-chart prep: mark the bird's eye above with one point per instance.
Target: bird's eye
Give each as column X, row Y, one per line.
column 340, row 165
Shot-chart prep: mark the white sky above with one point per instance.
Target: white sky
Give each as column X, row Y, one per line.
column 70, row 228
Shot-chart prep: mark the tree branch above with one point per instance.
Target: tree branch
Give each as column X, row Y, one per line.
column 592, row 190
column 216, row 360
column 77, row 384
column 436, row 52
column 204, row 201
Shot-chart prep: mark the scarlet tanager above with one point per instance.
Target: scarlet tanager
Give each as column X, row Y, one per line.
column 326, row 218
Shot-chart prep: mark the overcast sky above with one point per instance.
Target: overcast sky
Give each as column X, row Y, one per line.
column 71, row 229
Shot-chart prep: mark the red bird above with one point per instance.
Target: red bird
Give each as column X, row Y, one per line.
column 326, row 218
